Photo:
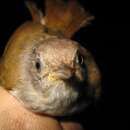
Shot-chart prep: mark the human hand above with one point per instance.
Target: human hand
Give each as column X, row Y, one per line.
column 15, row 117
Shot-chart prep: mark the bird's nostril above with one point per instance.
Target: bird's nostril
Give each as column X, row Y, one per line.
column 72, row 71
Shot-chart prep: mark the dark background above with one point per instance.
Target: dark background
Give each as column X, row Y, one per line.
column 107, row 39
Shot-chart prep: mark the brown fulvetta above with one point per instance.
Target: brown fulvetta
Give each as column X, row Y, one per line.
column 43, row 68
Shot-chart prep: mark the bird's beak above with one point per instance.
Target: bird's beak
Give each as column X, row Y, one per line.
column 60, row 75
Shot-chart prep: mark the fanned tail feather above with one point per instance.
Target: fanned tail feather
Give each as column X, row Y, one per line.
column 35, row 12
column 61, row 17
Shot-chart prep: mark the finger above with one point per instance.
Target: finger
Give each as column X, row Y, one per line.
column 71, row 126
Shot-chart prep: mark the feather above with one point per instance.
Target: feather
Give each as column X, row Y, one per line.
column 35, row 12
column 65, row 17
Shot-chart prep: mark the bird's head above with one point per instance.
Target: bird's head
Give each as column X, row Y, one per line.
column 60, row 78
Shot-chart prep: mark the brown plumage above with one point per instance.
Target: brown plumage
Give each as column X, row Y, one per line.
column 43, row 68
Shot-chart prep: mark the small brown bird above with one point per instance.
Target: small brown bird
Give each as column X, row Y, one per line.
column 46, row 70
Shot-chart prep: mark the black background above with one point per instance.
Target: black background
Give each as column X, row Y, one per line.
column 107, row 39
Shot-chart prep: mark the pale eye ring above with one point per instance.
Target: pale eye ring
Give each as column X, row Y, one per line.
column 79, row 59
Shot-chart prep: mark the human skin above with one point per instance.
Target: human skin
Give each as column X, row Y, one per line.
column 13, row 116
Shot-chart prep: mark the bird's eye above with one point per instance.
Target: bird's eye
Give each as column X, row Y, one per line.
column 79, row 59
column 38, row 65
